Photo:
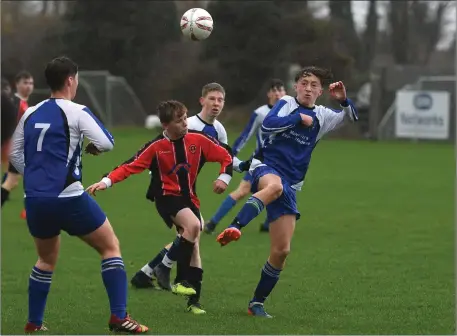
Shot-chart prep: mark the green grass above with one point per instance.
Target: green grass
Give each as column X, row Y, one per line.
column 372, row 254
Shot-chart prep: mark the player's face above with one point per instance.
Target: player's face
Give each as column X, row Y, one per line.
column 25, row 87
column 274, row 94
column 213, row 103
column 178, row 126
column 308, row 89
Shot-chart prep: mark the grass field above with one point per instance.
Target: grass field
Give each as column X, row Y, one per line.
column 372, row 254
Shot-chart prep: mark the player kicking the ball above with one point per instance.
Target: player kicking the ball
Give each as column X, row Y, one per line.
column 278, row 169
column 275, row 92
column 175, row 159
column 46, row 150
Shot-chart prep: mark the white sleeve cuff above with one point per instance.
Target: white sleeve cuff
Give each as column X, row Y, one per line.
column 107, row 181
column 225, row 178
column 236, row 164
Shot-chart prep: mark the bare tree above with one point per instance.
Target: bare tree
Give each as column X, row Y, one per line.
column 369, row 37
column 415, row 30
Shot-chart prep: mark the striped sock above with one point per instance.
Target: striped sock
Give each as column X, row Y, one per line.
column 115, row 281
column 148, row 268
column 268, row 280
column 39, row 285
column 172, row 255
column 250, row 210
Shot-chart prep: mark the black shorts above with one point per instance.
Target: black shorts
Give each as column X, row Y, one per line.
column 12, row 169
column 169, row 206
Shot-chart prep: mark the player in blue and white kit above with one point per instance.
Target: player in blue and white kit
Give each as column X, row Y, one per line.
column 47, row 149
column 295, row 125
column 275, row 92
column 212, row 101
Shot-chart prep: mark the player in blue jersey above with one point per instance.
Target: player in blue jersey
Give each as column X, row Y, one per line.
column 46, row 150
column 295, row 125
column 275, row 92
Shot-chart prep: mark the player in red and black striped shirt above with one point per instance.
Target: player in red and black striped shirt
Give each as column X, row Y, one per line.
column 175, row 159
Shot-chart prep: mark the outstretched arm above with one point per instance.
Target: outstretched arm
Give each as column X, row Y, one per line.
column 135, row 165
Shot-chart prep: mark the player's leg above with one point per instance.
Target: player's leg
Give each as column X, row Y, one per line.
column 195, row 275
column 189, row 227
column 40, row 281
column 88, row 222
column 269, row 186
column 241, row 192
column 43, row 225
column 195, row 279
column 282, row 214
column 144, row 277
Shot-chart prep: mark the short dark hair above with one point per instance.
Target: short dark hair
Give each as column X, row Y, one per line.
column 58, row 70
column 168, row 110
column 22, row 75
column 210, row 87
column 325, row 76
column 275, row 83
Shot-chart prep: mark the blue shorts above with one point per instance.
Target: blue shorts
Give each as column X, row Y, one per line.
column 78, row 216
column 286, row 204
column 248, row 177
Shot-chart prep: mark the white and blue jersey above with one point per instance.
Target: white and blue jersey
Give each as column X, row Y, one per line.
column 254, row 126
column 216, row 130
column 288, row 147
column 47, row 149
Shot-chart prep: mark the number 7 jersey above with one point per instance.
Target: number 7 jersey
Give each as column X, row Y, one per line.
column 47, row 147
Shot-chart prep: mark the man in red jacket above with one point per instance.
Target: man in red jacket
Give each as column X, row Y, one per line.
column 24, row 88
column 175, row 159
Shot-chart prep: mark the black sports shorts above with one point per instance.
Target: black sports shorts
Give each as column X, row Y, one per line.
column 169, row 206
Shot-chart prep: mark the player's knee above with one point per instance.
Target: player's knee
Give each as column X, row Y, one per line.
column 275, row 190
column 47, row 262
column 192, row 230
column 280, row 253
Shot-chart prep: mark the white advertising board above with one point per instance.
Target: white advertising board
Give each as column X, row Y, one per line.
column 422, row 114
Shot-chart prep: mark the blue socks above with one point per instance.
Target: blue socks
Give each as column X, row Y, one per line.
column 251, row 209
column 224, row 209
column 39, row 285
column 268, row 280
column 115, row 281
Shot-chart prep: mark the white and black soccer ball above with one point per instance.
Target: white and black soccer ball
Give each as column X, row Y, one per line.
column 196, row 24
column 152, row 121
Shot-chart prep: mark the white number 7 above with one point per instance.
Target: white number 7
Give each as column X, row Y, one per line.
column 44, row 127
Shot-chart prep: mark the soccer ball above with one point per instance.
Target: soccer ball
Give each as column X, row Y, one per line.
column 152, row 121
column 196, row 24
